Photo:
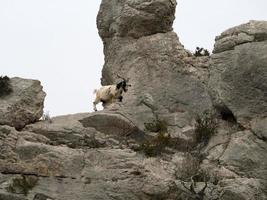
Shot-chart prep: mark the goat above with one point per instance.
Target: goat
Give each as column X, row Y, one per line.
column 109, row 94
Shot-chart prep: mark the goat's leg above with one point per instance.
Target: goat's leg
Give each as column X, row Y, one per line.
column 120, row 98
column 106, row 103
column 95, row 103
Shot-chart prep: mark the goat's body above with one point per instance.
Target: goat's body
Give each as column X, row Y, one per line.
column 107, row 95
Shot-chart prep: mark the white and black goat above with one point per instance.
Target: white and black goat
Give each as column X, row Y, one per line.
column 109, row 94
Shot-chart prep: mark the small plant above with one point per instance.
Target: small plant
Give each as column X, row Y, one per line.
column 157, row 145
column 22, row 184
column 188, row 167
column 158, row 126
column 201, row 52
column 206, row 127
column 5, row 86
column 192, row 193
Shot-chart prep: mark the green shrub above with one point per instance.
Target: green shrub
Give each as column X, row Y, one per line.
column 5, row 87
column 201, row 52
column 22, row 184
column 206, row 127
column 156, row 145
column 158, row 126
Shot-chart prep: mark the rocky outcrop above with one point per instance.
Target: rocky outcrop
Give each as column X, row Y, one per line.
column 150, row 54
column 135, row 18
column 24, row 105
column 238, row 77
column 90, row 164
column 149, row 146
column 253, row 31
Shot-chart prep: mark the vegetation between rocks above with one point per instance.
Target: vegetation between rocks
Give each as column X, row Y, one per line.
column 189, row 171
column 201, row 52
column 206, row 126
column 22, row 184
column 5, row 86
column 159, row 126
column 156, row 146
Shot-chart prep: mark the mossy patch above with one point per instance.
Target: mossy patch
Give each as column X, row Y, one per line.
column 22, row 184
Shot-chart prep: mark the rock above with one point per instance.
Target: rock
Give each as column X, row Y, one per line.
column 238, row 78
column 88, row 173
column 135, row 18
column 245, row 155
column 242, row 189
column 24, row 105
column 156, row 60
column 99, row 155
column 110, row 123
column 6, row 196
column 67, row 130
column 139, row 44
column 253, row 31
column 259, row 127
column 40, row 196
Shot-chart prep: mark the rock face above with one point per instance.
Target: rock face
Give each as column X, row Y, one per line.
column 147, row 147
column 150, row 54
column 135, row 18
column 24, row 105
column 238, row 78
column 87, row 163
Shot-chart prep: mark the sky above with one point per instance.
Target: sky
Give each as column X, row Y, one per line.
column 57, row 42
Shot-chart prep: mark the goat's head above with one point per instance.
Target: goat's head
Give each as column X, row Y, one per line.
column 123, row 84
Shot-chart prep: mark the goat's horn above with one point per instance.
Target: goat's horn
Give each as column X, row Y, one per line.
column 119, row 76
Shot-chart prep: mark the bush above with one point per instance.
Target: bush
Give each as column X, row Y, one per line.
column 158, row 126
column 22, row 184
column 206, row 127
column 5, row 87
column 201, row 52
column 157, row 145
column 188, row 167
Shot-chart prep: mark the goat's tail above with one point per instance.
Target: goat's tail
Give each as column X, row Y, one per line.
column 95, row 90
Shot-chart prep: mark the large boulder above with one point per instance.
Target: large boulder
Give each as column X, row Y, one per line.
column 245, row 155
column 139, row 44
column 238, row 78
column 24, row 105
column 135, row 18
column 242, row 189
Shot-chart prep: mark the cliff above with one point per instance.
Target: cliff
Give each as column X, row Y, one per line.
column 188, row 128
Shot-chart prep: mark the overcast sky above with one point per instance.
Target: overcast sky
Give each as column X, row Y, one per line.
column 56, row 42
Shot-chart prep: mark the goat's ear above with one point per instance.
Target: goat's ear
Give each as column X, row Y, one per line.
column 118, row 76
